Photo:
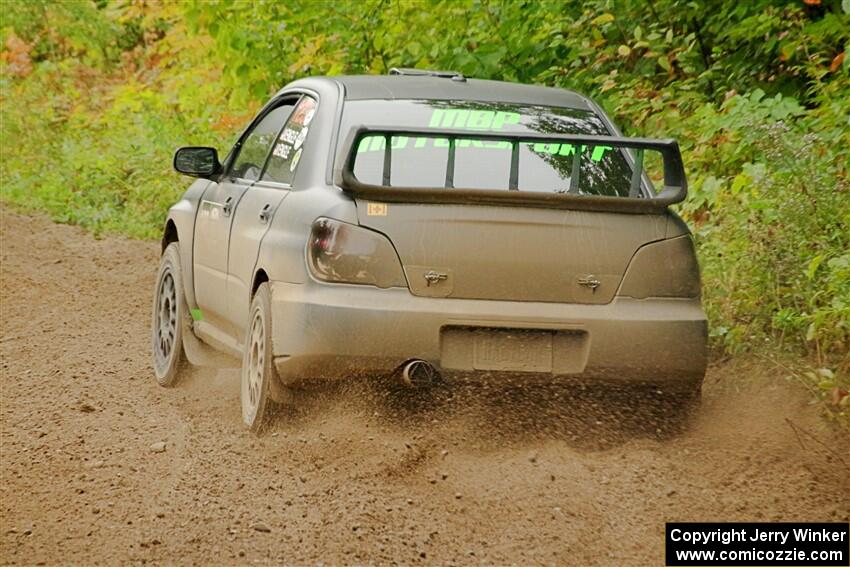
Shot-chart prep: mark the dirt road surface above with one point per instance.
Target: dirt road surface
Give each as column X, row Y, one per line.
column 344, row 478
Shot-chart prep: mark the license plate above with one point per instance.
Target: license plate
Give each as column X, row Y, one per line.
column 516, row 351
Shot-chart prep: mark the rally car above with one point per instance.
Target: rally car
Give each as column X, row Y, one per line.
column 432, row 227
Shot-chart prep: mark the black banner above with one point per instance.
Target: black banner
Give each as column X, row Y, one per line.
column 744, row 544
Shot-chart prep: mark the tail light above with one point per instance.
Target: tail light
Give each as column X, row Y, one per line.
column 344, row 253
column 663, row 269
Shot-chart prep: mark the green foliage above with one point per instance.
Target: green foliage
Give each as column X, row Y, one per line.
column 773, row 232
column 97, row 94
column 95, row 148
column 57, row 30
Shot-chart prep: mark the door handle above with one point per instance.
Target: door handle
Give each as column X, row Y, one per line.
column 265, row 214
column 227, row 208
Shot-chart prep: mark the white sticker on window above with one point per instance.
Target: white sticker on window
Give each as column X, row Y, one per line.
column 295, row 160
column 288, row 135
column 301, row 137
column 282, row 150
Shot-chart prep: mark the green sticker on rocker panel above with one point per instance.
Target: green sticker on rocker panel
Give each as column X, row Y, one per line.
column 196, row 314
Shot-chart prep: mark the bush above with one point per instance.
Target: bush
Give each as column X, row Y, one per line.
column 772, row 232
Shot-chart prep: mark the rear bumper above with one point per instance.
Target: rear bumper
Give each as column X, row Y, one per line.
column 325, row 331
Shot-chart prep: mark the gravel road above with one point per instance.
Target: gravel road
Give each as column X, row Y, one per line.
column 100, row 466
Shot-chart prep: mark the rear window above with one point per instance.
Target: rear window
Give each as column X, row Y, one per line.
column 479, row 164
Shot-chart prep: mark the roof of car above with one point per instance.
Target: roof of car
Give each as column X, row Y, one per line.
column 390, row 87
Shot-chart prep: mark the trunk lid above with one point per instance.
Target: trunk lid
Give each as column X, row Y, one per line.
column 512, row 253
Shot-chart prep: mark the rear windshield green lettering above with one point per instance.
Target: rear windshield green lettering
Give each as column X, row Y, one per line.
column 481, row 120
column 471, row 119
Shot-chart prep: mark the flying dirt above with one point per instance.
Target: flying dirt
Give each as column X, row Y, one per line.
column 100, row 465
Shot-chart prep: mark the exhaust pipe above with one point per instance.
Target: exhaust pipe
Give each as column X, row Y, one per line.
column 419, row 374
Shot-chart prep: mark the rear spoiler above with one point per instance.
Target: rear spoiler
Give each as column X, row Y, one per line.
column 674, row 190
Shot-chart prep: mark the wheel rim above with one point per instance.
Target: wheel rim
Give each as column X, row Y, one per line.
column 254, row 368
column 165, row 325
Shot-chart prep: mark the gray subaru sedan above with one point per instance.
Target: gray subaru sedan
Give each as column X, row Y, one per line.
column 430, row 227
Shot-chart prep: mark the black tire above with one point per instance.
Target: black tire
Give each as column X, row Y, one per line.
column 258, row 371
column 170, row 315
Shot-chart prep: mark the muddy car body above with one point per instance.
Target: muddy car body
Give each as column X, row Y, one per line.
column 363, row 223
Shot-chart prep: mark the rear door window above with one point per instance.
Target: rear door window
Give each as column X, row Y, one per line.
column 287, row 150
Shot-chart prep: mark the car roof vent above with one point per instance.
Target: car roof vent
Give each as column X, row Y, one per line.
column 453, row 75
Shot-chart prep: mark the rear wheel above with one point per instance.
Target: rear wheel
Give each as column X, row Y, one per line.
column 170, row 314
column 258, row 372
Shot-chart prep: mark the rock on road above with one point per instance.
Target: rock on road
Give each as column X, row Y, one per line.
column 100, row 466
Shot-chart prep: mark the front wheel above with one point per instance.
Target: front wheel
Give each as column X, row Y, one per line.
column 169, row 316
column 258, row 372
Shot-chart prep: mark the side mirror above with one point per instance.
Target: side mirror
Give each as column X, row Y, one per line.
column 197, row 161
